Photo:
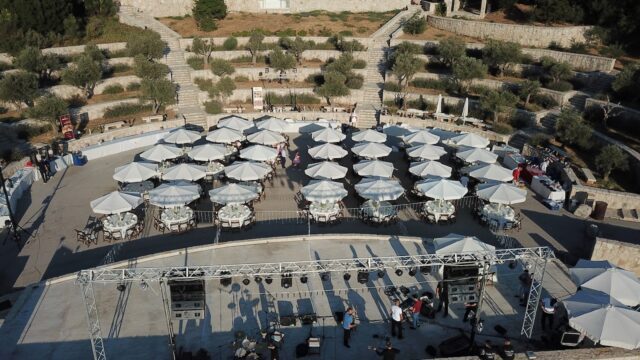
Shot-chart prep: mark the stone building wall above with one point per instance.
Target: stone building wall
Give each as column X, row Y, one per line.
column 623, row 254
column 537, row 36
column 614, row 199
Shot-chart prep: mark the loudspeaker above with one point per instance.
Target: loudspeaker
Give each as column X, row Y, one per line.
column 181, row 291
column 363, row 277
column 225, row 281
column 308, row 319
column 457, row 272
column 268, row 280
column 288, row 320
column 425, row 270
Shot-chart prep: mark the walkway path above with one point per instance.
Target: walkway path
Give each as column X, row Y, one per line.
column 188, row 104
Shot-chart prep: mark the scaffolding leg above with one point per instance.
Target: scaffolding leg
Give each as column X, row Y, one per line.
column 533, row 300
column 93, row 321
column 167, row 314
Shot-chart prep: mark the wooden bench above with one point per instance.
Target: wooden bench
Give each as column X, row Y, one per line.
column 588, row 175
column 113, row 125
column 150, row 119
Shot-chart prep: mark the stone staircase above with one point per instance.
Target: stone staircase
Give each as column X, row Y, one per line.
column 188, row 103
column 518, row 140
column 577, row 101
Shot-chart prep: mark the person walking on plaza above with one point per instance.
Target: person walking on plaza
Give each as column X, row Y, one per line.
column 283, row 156
column 347, row 326
column 442, row 292
column 525, row 286
column 470, row 310
column 396, row 319
column 297, row 160
column 415, row 311
column 388, row 353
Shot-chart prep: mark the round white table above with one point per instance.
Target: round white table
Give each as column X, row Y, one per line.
column 378, row 210
column 120, row 222
column 501, row 214
column 139, row 187
column 439, row 208
column 234, row 213
column 253, row 184
column 214, row 168
column 176, row 216
column 324, row 210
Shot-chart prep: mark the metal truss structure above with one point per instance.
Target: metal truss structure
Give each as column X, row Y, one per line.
column 86, row 278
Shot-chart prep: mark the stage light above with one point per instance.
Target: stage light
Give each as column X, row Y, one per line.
column 399, row 272
column 268, row 280
column 121, row 287
column 381, row 274
column 225, row 281
column 246, row 281
column 303, row 279
column 325, row 276
column 286, row 281
column 257, row 279
column 363, row 277
column 413, row 272
column 425, row 270
column 346, row 276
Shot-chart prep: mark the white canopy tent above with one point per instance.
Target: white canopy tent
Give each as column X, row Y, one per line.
column 161, row 152
column 182, row 136
column 135, row 172
column 621, row 284
column 369, row 135
column 465, row 114
column 328, row 135
column 500, row 193
column 327, row 152
column 233, row 194
column 470, row 140
column 326, row 170
column 247, row 170
column 477, row 155
column 606, row 324
column 273, row 124
column 115, row 203
column 235, row 122
column 174, row 194
column 265, row 137
column 187, row 172
column 375, row 168
column 426, row 152
column 455, row 243
column 379, row 189
column 421, row 137
column 489, row 172
column 225, row 136
column 324, row 191
column 259, row 153
column 371, row 150
column 442, row 189
column 208, row 152
column 430, row 168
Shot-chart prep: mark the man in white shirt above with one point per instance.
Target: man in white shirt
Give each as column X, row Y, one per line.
column 396, row 319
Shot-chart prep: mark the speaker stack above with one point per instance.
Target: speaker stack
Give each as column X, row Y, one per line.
column 462, row 282
column 187, row 299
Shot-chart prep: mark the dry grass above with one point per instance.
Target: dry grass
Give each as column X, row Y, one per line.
column 436, row 34
column 311, row 24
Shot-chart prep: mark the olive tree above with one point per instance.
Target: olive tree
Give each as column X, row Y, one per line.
column 611, row 157
column 334, row 85
column 160, row 92
column 405, row 67
column 281, row 61
column 255, row 45
column 84, row 74
column 295, row 47
column 203, row 48
column 31, row 59
column 572, row 130
column 527, row 89
column 49, row 108
column 19, row 88
column 465, row 70
column 450, row 50
column 146, row 43
column 146, row 69
column 497, row 102
column 500, row 55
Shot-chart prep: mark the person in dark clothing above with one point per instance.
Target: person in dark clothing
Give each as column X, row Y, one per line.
column 507, row 350
column 470, row 307
column 347, row 326
column 525, row 286
column 273, row 351
column 388, row 353
column 487, row 352
column 442, row 292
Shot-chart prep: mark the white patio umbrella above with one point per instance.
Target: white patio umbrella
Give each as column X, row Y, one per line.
column 233, row 194
column 371, row 150
column 489, row 172
column 328, row 135
column 187, row 172
column 225, row 136
column 421, row 137
column 327, row 152
column 621, row 284
column 208, row 152
column 430, row 168
column 247, row 170
column 235, row 122
column 369, row 135
column 606, row 324
column 174, row 194
column 465, row 108
column 438, row 113
column 135, row 172
column 442, row 189
column 503, row 194
column 326, row 170
column 265, row 137
column 443, row 134
column 454, row 243
column 397, row 130
column 585, row 301
column 377, row 168
column 259, row 153
column 324, row 191
column 470, row 140
column 475, row 155
column 426, row 152
column 182, row 136
column 273, row 124
column 161, row 152
column 379, row 189
column 115, row 203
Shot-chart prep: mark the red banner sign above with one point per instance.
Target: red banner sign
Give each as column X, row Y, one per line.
column 67, row 127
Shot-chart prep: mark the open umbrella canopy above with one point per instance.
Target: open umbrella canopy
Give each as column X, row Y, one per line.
column 115, row 202
column 327, row 152
column 585, row 270
column 182, row 136
column 477, row 155
column 621, row 284
column 442, row 189
column 426, row 152
column 421, row 137
column 259, row 153
column 369, row 135
column 235, row 122
column 430, row 168
column 188, row 172
column 326, row 170
column 454, row 243
column 208, row 152
column 470, row 140
column 489, row 172
column 371, row 150
column 273, row 124
column 328, row 135
column 225, row 136
column 375, row 168
column 233, row 194
column 379, row 189
column 585, row 301
column 161, row 152
column 500, row 193
column 265, row 137
column 135, row 172
column 608, row 325
column 443, row 134
column 174, row 194
column 324, row 191
column 247, row 170
column 398, row 130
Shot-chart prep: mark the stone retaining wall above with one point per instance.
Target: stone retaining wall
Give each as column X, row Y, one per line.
column 323, row 55
column 537, row 36
column 614, row 199
column 96, row 111
column 98, row 138
column 243, row 40
column 71, row 50
column 243, row 94
column 623, row 254
column 342, row 117
column 123, row 81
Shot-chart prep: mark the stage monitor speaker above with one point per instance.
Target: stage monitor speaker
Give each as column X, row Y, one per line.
column 225, row 281
column 460, row 272
column 363, row 277
column 288, row 320
column 187, row 315
column 184, row 291
column 308, row 319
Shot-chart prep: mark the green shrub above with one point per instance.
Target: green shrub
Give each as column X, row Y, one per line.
column 261, row 59
column 134, row 86
column 520, row 120
column 213, row 107
column 196, row 63
column 392, row 86
column 502, row 128
column 361, row 30
column 346, row 33
column 415, row 25
column 221, row 67
column 561, row 86
column 204, row 84
column 441, row 9
column 125, row 110
column 112, row 54
column 430, row 84
column 545, row 101
column 354, row 81
column 307, row 99
column 121, row 68
column 317, row 79
column 302, row 33
column 113, row 89
column 241, row 78
column 359, row 64
column 231, row 43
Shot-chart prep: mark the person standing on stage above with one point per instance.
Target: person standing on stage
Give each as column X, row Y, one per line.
column 442, row 292
column 347, row 326
column 396, row 319
column 415, row 311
